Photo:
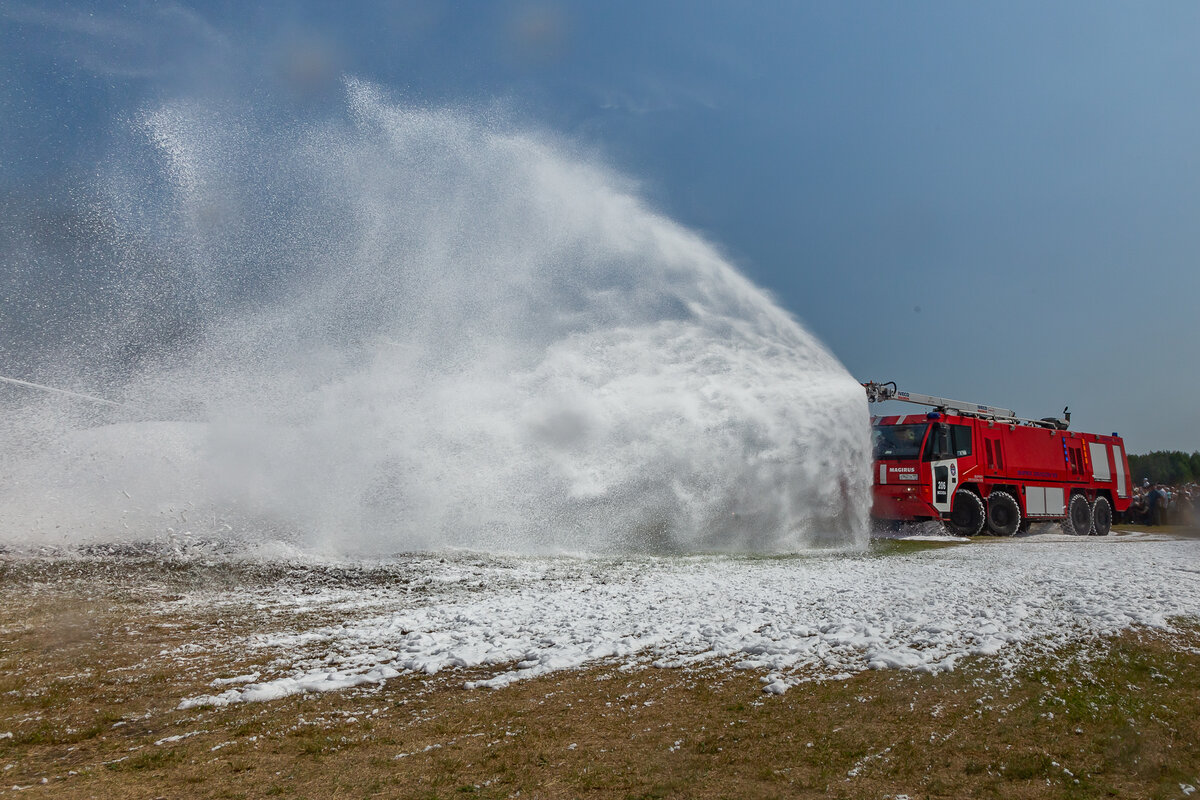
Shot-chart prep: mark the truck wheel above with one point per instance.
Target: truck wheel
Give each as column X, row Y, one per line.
column 1079, row 516
column 966, row 515
column 1101, row 517
column 1003, row 514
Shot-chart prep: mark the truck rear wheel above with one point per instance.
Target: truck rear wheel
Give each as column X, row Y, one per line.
column 966, row 515
column 1101, row 517
column 1079, row 516
column 1003, row 514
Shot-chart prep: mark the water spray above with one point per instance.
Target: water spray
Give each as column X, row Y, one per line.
column 401, row 329
column 67, row 393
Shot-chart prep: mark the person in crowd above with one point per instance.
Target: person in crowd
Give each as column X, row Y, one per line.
column 1136, row 514
column 1182, row 507
column 1160, row 508
column 1155, row 506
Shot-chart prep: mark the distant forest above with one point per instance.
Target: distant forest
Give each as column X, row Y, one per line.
column 1165, row 466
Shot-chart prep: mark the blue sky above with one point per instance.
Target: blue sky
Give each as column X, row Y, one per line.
column 992, row 202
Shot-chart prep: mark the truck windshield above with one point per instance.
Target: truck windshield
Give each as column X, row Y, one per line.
column 899, row 441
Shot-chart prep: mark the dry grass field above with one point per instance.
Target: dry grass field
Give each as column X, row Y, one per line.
column 93, row 665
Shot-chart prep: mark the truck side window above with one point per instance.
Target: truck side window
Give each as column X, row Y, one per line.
column 960, row 440
column 937, row 446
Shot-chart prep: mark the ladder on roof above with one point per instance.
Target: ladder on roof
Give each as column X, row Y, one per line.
column 880, row 392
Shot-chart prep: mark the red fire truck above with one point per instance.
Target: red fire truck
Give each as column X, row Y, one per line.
column 977, row 467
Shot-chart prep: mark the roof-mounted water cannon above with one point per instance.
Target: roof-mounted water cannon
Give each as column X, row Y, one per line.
column 879, row 392
column 1061, row 423
column 887, row 390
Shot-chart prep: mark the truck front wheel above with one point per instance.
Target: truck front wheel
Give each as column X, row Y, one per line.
column 1079, row 516
column 966, row 515
column 1003, row 514
column 1101, row 517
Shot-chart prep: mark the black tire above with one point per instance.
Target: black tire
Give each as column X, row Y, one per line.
column 1003, row 514
column 966, row 515
column 1102, row 517
column 1079, row 516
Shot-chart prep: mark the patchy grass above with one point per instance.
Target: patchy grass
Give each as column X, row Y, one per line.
column 91, row 673
column 885, row 546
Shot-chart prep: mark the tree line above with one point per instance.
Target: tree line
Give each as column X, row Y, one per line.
column 1171, row 467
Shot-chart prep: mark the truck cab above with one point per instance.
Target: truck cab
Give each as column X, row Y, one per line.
column 920, row 459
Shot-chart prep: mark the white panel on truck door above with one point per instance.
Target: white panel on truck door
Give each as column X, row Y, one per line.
column 1119, row 460
column 1099, row 454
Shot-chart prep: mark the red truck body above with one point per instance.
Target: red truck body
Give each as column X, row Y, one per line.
column 975, row 472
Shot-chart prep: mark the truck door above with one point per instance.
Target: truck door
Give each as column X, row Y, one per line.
column 943, row 463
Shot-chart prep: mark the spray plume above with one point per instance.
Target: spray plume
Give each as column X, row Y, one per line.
column 410, row 329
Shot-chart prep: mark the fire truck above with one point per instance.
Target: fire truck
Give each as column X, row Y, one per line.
column 980, row 468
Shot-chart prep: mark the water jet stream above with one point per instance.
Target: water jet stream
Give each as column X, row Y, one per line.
column 407, row 329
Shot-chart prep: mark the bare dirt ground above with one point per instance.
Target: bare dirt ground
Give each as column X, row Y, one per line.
column 94, row 663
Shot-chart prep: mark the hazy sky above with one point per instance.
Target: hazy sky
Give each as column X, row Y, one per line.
column 991, row 202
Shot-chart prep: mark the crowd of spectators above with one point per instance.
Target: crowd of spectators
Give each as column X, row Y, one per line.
column 1159, row 504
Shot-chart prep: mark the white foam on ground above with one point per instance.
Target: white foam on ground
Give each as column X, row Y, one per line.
column 794, row 619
